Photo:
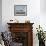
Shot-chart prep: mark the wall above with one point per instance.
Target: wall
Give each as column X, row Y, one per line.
column 33, row 10
column 43, row 6
column 34, row 14
column 0, row 15
column 43, row 14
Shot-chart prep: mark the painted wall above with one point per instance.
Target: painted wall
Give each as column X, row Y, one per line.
column 0, row 15
column 34, row 14
column 43, row 6
column 33, row 10
column 43, row 14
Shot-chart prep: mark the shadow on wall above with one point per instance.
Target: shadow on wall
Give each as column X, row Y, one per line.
column 0, row 15
column 43, row 6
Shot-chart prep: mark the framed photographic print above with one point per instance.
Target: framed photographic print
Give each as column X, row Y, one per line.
column 20, row 10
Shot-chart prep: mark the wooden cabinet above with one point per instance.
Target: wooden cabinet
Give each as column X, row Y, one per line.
column 22, row 33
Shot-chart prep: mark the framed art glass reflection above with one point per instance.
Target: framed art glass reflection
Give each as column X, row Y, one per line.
column 20, row 10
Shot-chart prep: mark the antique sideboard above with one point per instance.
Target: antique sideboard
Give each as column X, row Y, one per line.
column 22, row 33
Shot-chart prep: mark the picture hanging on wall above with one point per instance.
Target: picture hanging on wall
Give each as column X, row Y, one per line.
column 20, row 10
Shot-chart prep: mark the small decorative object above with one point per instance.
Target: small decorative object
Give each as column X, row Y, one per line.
column 14, row 21
column 27, row 21
column 11, row 20
column 20, row 10
column 41, row 36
